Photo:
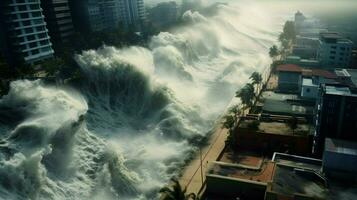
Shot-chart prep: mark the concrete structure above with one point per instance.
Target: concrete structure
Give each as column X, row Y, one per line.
column 231, row 181
column 336, row 109
column 99, row 15
column 334, row 50
column 304, row 52
column 347, row 77
column 340, row 159
column 297, row 178
column 96, row 15
column 289, row 77
column 25, row 31
column 309, row 88
column 59, row 22
column 133, row 13
column 270, row 136
column 297, row 60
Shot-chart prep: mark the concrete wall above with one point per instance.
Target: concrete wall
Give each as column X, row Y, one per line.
column 289, row 82
column 270, row 143
column 231, row 187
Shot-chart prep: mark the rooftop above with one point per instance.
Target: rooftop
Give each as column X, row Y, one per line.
column 333, row 37
column 278, row 128
column 301, row 175
column 284, row 104
column 289, row 68
column 263, row 173
column 340, row 90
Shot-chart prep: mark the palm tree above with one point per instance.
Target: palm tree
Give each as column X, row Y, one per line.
column 273, row 52
column 256, row 80
column 246, row 95
column 175, row 192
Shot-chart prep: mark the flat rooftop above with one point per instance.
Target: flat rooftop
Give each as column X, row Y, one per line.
column 278, row 128
column 339, row 90
column 284, row 104
column 263, row 173
column 302, row 175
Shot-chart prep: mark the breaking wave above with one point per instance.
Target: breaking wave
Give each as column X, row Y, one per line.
column 136, row 114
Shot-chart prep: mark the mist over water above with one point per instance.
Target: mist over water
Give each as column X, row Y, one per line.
column 136, row 115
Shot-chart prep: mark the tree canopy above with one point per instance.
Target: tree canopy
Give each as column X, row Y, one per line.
column 176, row 192
column 273, row 51
column 246, row 94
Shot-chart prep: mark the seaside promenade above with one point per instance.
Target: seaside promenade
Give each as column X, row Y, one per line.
column 191, row 176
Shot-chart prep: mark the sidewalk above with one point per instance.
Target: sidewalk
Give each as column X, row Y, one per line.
column 191, row 176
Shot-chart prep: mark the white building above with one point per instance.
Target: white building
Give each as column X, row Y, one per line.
column 334, row 50
column 27, row 30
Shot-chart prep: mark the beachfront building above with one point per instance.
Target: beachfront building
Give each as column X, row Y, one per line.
column 334, row 50
column 96, row 15
column 336, row 109
column 25, row 32
column 289, row 77
column 100, row 15
column 133, row 13
column 59, row 22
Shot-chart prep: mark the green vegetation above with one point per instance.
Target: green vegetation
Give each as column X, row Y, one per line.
column 176, row 192
column 256, row 80
column 246, row 95
column 229, row 122
column 273, row 52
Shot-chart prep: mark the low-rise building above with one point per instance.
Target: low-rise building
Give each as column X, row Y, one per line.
column 289, row 77
column 334, row 50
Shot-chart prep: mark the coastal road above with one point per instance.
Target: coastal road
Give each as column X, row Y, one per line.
column 191, row 176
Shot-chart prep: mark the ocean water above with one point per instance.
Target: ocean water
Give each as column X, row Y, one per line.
column 136, row 115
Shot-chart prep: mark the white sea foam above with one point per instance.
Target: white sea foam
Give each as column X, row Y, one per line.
column 137, row 112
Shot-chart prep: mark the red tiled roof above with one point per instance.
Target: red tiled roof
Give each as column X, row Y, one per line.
column 289, row 68
column 319, row 72
column 323, row 73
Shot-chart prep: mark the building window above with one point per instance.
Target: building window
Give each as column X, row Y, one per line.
column 343, row 48
column 24, row 15
column 308, row 90
column 332, row 57
column 28, row 30
column 333, row 52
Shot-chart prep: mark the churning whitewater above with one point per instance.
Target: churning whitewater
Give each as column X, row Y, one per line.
column 136, row 114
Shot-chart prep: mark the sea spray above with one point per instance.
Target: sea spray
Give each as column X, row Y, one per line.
column 135, row 115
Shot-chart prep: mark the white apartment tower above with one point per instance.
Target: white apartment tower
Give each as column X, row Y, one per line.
column 334, row 50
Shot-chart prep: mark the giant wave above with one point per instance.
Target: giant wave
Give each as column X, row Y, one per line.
column 136, row 114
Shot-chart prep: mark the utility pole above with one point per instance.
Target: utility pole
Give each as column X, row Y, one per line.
column 201, row 166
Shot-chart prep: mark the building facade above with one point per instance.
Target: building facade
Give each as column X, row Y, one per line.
column 99, row 15
column 289, row 78
column 25, row 29
column 335, row 115
column 132, row 13
column 59, row 22
column 334, row 50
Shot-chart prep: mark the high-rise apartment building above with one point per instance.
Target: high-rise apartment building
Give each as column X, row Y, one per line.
column 96, row 15
column 24, row 31
column 334, row 50
column 336, row 114
column 132, row 12
column 59, row 22
column 99, row 15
